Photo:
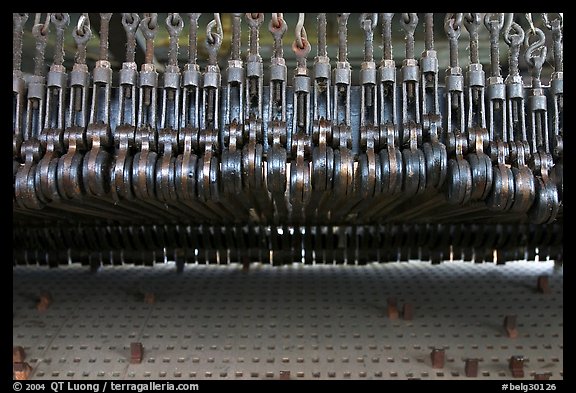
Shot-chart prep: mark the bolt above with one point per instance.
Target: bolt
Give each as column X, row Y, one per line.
column 44, row 301
column 510, row 326
column 18, row 354
column 542, row 285
column 21, row 371
column 284, row 375
column 136, row 353
column 516, row 365
column 471, row 368
column 408, row 312
column 437, row 356
column 149, row 298
column 392, row 309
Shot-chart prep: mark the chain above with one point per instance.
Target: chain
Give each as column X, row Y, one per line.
column 453, row 27
column 535, row 62
column 174, row 25
column 254, row 21
column 277, row 28
column 343, row 37
column 60, row 21
column 18, row 84
column 301, row 46
column 494, row 26
column 557, row 84
column 130, row 22
column 193, row 38
column 429, row 31
column 40, row 33
column 368, row 23
column 82, row 35
column 387, row 36
column 149, row 28
column 255, row 69
column 472, row 23
column 322, row 35
column 19, row 21
column 514, row 42
column 514, row 37
column 368, row 72
column 104, row 32
column 409, row 21
column 236, row 36
column 556, row 27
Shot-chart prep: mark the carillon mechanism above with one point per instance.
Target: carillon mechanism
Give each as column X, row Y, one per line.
column 238, row 137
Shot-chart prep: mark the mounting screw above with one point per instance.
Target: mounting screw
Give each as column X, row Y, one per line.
column 136, row 353
column 149, row 298
column 542, row 284
column 510, row 326
column 21, row 371
column 284, row 375
column 516, row 365
column 437, row 356
column 44, row 301
column 18, row 354
column 408, row 312
column 471, row 368
column 392, row 309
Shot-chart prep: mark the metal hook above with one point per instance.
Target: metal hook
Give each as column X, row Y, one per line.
column 530, row 56
column 365, row 17
column 174, row 24
column 409, row 22
column 130, row 26
column 452, row 25
column 529, row 18
column 548, row 23
column 514, row 39
column 496, row 24
column 300, row 31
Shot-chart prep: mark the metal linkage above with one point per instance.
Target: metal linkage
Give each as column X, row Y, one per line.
column 146, row 135
column 301, row 139
column 391, row 157
column 277, row 135
column 323, row 159
column 434, row 150
column 169, row 121
column 342, row 79
column 459, row 176
column 502, row 194
column 368, row 177
column 18, row 87
column 524, row 191
column 546, row 204
column 343, row 198
column 52, row 134
column 69, row 177
column 124, row 139
column 556, row 94
column 476, row 131
column 31, row 149
column 412, row 156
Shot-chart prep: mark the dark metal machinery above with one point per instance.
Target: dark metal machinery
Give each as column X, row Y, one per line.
column 321, row 153
column 256, row 163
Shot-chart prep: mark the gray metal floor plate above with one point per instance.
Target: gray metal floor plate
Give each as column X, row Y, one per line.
column 317, row 322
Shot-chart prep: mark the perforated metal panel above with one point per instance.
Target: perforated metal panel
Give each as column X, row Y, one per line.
column 317, row 322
